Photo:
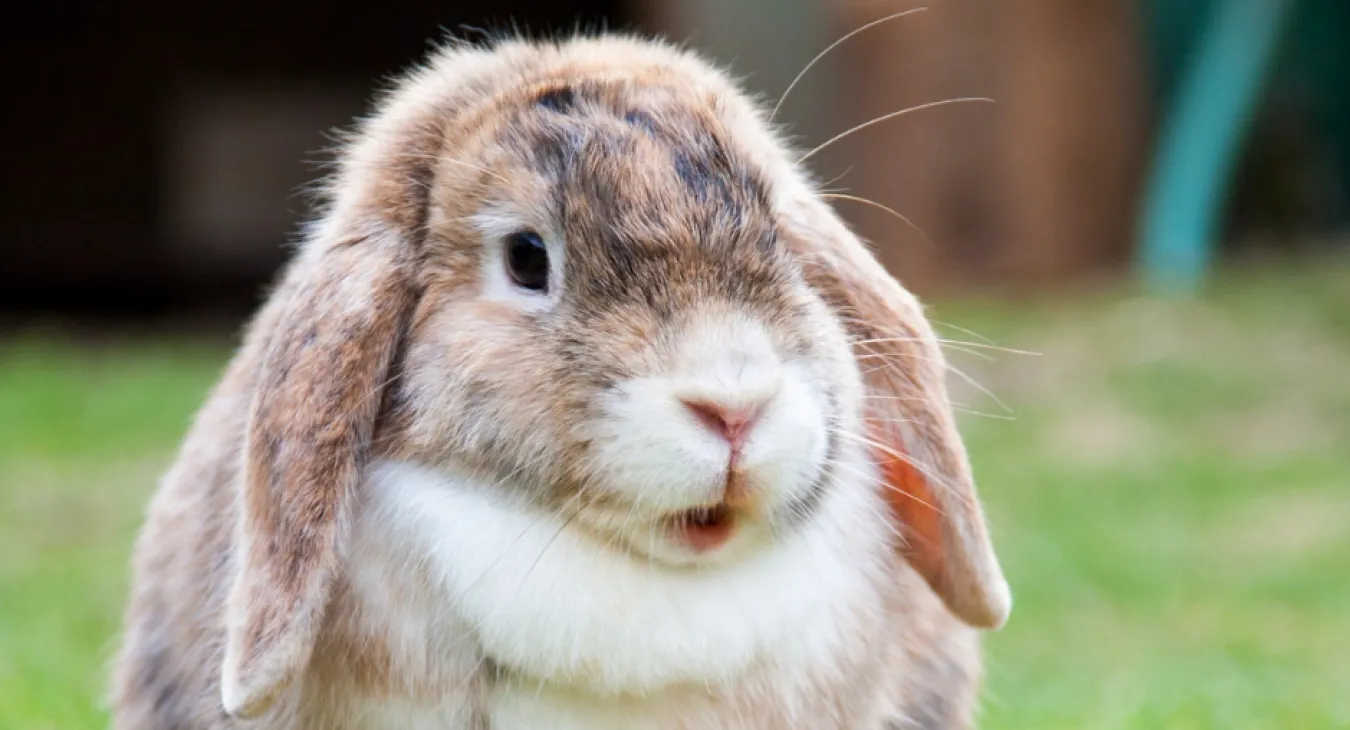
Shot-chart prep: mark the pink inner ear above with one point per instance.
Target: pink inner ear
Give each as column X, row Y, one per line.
column 913, row 504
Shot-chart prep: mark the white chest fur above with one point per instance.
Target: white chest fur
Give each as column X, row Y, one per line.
column 449, row 570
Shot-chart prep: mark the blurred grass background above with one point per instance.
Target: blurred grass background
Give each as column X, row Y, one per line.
column 1169, row 498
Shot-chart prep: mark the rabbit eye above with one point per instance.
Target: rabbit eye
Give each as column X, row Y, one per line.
column 527, row 261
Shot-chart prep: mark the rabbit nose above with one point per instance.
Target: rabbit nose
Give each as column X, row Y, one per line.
column 732, row 422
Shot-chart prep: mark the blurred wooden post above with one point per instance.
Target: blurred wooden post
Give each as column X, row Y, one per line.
column 1040, row 185
column 932, row 165
column 1075, row 137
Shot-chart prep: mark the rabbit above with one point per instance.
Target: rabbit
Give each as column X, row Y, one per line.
column 576, row 407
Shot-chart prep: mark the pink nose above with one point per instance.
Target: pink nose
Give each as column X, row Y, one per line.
column 732, row 423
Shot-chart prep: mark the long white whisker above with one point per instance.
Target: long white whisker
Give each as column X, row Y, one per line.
column 958, row 407
column 831, row 47
column 969, row 351
column 892, row 115
column 963, row 330
column 980, row 345
column 922, row 468
column 976, row 385
column 888, row 209
column 876, row 481
column 560, row 511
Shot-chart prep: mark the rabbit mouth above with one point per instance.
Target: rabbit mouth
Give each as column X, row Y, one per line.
column 704, row 528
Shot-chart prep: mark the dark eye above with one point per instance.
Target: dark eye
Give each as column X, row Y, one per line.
column 527, row 260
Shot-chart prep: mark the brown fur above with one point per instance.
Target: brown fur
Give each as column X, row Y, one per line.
column 672, row 196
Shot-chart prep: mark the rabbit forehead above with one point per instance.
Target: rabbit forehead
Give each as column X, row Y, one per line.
column 636, row 183
column 629, row 153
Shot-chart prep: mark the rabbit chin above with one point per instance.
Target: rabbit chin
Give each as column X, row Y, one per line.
column 545, row 600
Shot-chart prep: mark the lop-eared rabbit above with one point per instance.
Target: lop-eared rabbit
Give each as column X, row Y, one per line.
column 578, row 407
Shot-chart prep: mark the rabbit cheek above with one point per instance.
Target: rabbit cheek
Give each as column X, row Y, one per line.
column 480, row 391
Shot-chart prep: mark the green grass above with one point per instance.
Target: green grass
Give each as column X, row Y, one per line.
column 1172, row 506
column 84, row 433
column 1171, row 503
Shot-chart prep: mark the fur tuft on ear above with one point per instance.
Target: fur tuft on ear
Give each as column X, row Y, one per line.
column 910, row 426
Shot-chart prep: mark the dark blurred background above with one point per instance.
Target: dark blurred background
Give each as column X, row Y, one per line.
column 155, row 154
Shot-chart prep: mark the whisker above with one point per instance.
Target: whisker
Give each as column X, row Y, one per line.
column 1010, row 417
column 892, row 115
column 831, row 47
column 888, row 209
column 963, row 330
column 888, row 522
column 533, row 523
column 976, row 385
column 561, row 528
column 891, row 358
column 897, row 360
column 958, row 407
column 964, row 410
column 968, row 350
column 924, row 469
column 378, row 389
column 944, row 341
column 877, row 481
column 836, row 178
column 884, row 419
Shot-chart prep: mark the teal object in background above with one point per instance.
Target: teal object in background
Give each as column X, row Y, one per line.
column 1212, row 105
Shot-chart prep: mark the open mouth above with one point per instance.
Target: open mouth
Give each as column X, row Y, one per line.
column 705, row 528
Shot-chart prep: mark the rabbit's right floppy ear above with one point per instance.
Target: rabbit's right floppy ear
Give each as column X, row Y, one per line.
column 910, row 428
column 328, row 342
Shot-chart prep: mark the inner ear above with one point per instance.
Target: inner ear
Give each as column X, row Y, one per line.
column 927, row 483
column 911, row 501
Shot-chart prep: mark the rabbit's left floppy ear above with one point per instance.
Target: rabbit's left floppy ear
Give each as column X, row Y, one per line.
column 329, row 338
column 309, row 435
